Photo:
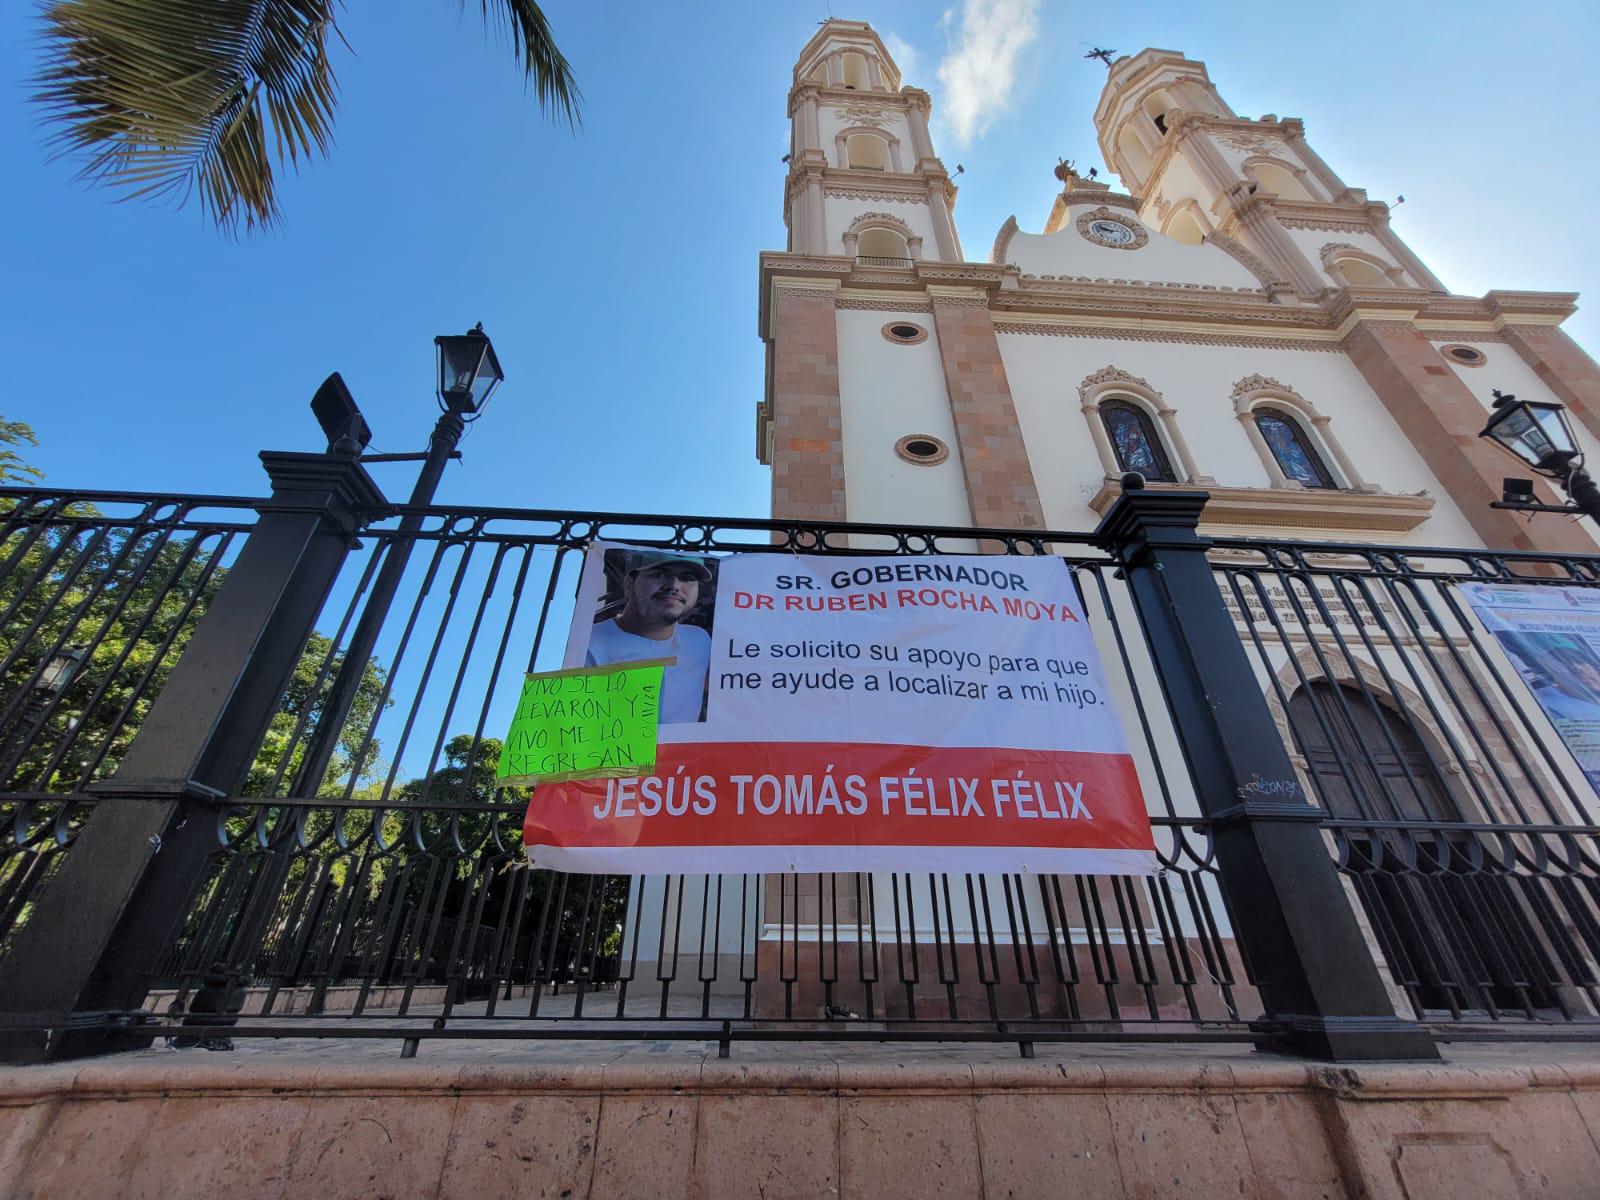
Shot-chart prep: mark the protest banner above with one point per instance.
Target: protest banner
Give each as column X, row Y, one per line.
column 826, row 713
column 1551, row 634
column 586, row 723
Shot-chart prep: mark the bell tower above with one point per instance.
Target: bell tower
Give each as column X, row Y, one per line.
column 1202, row 174
column 863, row 178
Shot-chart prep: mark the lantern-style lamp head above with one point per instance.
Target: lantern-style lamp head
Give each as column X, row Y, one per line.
column 469, row 371
column 59, row 671
column 1536, row 432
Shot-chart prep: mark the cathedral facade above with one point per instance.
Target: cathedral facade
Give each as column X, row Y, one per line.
column 1235, row 318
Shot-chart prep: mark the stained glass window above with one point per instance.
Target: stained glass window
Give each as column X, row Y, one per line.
column 1296, row 456
column 1134, row 441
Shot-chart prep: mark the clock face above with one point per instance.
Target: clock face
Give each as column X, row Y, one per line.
column 1113, row 233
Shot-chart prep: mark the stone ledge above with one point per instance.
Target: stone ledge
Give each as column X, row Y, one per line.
column 1296, row 508
column 667, row 1120
column 692, row 1070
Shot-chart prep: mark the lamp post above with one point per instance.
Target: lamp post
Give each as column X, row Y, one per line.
column 1538, row 435
column 468, row 374
column 54, row 677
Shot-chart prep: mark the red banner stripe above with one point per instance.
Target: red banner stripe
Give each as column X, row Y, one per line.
column 881, row 795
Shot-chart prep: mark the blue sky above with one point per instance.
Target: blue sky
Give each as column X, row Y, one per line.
column 616, row 270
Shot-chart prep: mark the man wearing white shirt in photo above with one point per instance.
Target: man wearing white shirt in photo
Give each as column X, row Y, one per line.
column 658, row 592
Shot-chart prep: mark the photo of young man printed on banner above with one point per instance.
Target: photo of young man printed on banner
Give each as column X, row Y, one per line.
column 1563, row 673
column 649, row 604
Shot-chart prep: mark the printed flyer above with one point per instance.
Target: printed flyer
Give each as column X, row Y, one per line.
column 840, row 713
column 1552, row 636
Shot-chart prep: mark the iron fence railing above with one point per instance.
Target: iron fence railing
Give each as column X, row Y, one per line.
column 1462, row 824
column 389, row 897
column 99, row 594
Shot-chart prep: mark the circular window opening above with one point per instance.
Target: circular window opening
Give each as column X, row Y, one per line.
column 922, row 448
column 1465, row 356
column 906, row 333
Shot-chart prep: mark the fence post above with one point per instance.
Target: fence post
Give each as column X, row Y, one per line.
column 1322, row 991
column 83, row 960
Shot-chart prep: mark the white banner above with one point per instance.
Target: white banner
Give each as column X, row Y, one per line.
column 845, row 713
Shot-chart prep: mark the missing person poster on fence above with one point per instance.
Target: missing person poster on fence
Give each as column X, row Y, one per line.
column 829, row 713
column 1551, row 634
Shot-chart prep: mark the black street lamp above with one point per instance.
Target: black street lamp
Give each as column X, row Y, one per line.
column 58, row 673
column 55, row 676
column 468, row 374
column 1537, row 434
column 469, row 371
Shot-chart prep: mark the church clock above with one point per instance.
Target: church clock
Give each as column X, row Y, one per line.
column 1111, row 233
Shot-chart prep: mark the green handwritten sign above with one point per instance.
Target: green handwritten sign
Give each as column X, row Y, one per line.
column 587, row 723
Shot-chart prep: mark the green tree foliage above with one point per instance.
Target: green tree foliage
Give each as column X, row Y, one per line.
column 302, row 709
column 124, row 603
column 12, row 469
column 165, row 98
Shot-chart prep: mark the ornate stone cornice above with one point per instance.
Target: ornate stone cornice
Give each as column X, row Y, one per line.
column 1305, row 508
column 1002, row 241
column 1152, row 285
column 1110, row 374
column 1509, row 305
column 867, row 219
column 1457, row 335
column 872, row 116
column 980, row 274
column 1118, row 333
column 1333, row 249
column 918, row 99
column 1066, row 199
column 1324, row 224
column 1197, row 314
column 878, row 197
column 842, row 96
column 880, row 304
column 1251, row 384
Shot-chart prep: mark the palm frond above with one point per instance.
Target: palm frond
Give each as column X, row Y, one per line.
column 547, row 68
column 166, row 98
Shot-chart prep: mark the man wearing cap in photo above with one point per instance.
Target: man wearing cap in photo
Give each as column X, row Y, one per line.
column 658, row 592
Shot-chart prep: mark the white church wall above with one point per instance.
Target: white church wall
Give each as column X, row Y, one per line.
column 888, row 390
column 1179, row 182
column 841, row 211
column 1198, row 381
column 1068, row 252
column 1506, row 370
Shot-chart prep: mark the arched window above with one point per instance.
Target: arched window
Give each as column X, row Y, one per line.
column 1185, row 228
column 1156, row 106
column 1296, row 453
column 882, row 243
column 1138, row 158
column 855, row 72
column 1134, row 441
column 1279, row 180
column 1361, row 274
column 864, row 152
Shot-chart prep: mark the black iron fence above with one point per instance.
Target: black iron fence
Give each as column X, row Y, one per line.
column 342, row 862
column 1459, row 819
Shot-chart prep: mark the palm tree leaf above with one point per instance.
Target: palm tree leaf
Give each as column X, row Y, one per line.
column 547, row 68
column 167, row 98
